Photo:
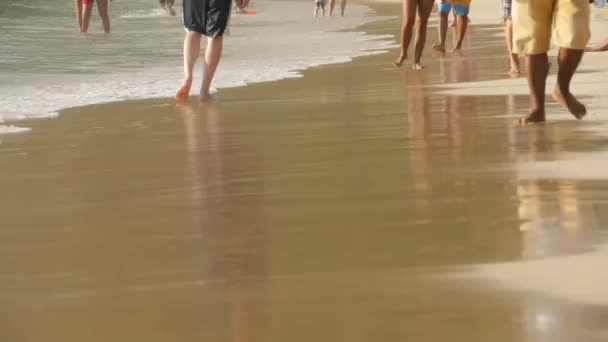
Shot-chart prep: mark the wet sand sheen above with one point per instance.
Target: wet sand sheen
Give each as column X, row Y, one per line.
column 320, row 209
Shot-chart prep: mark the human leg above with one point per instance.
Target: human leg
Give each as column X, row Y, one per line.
column 531, row 36
column 444, row 14
column 87, row 8
column 102, row 7
column 213, row 55
column 192, row 48
column 425, row 7
column 78, row 7
column 408, row 20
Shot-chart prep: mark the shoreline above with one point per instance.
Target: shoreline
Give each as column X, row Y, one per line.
column 12, row 125
column 386, row 9
column 342, row 200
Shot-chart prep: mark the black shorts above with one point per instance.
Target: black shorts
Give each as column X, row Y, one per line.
column 207, row 17
column 507, row 5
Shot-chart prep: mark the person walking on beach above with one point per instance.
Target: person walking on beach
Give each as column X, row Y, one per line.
column 84, row 8
column 207, row 18
column 513, row 57
column 319, row 5
column 461, row 9
column 411, row 8
column 532, row 23
column 167, row 6
column 332, row 3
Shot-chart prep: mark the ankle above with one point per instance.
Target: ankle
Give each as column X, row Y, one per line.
column 537, row 110
column 563, row 91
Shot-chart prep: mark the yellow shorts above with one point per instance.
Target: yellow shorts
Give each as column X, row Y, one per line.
column 533, row 20
column 460, row 2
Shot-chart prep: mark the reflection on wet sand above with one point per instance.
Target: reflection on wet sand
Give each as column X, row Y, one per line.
column 233, row 233
column 557, row 218
column 554, row 220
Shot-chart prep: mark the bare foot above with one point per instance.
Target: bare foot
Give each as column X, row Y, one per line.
column 453, row 23
column 399, row 61
column 575, row 108
column 439, row 48
column 184, row 91
column 457, row 49
column 417, row 66
column 205, row 98
column 514, row 71
column 164, row 8
column 534, row 117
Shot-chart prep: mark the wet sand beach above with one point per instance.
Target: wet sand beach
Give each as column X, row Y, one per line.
column 357, row 203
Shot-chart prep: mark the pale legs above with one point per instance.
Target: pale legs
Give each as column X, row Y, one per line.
column 102, row 7
column 319, row 5
column 410, row 8
column 569, row 61
column 192, row 47
column 87, row 9
column 332, row 3
column 322, row 11
column 342, row 7
column 212, row 60
column 513, row 57
column 538, row 69
column 78, row 6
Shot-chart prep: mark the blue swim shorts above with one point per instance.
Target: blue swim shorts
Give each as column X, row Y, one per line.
column 446, row 7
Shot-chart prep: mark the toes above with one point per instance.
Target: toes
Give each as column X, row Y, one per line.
column 182, row 94
column 520, row 122
column 526, row 121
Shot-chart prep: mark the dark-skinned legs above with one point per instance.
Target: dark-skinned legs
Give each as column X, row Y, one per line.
column 569, row 61
column 461, row 30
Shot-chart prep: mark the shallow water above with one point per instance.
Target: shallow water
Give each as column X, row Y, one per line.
column 45, row 65
column 328, row 208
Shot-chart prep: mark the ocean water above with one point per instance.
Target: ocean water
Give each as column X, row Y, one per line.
column 46, row 65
